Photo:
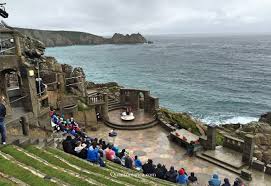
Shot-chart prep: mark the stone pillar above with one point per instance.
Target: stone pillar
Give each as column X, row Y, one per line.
column 3, row 93
column 25, row 126
column 105, row 107
column 61, row 83
column 248, row 148
column 18, row 45
column 146, row 101
column 29, row 89
column 122, row 96
column 211, row 138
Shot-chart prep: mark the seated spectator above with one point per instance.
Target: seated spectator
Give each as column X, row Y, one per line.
column 182, row 178
column 121, row 154
column 113, row 133
column 171, row 175
column 226, row 182
column 100, row 141
column 214, row 181
column 159, row 171
column 68, row 146
column 94, row 156
column 238, row 182
column 164, row 170
column 192, row 179
column 104, row 145
column 138, row 164
column 109, row 153
column 148, row 168
column 128, row 161
column 52, row 111
column 115, row 149
column 79, row 147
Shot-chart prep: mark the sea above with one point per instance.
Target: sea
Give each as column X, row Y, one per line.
column 218, row 79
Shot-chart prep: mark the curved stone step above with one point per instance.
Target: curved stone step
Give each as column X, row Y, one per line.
column 72, row 173
column 31, row 169
column 132, row 127
column 80, row 169
column 13, row 179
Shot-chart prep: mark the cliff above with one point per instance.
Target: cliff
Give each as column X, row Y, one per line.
column 67, row 38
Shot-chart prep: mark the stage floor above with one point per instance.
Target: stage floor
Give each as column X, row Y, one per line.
column 140, row 118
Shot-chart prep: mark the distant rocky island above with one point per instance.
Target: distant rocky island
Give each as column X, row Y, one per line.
column 67, row 38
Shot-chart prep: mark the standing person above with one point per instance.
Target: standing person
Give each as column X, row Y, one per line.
column 3, row 113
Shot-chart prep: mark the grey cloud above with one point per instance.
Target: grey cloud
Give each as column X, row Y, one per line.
column 146, row 16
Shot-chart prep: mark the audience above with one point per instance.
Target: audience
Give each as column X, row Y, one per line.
column 215, row 181
column 94, row 150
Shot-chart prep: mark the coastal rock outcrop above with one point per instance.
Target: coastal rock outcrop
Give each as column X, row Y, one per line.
column 67, row 38
column 266, row 117
column 127, row 39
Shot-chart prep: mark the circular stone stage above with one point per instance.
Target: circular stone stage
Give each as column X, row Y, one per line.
column 142, row 120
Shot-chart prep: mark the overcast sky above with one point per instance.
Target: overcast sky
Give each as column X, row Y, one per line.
column 105, row 17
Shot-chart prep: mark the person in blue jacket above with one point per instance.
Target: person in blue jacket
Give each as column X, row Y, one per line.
column 138, row 163
column 94, row 156
column 214, row 181
column 182, row 178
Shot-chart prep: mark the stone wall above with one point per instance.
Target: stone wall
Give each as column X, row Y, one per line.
column 131, row 97
column 233, row 143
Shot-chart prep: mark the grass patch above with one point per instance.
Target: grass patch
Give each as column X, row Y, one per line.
column 219, row 138
column 182, row 119
column 6, row 182
column 20, row 156
column 26, row 176
column 53, row 160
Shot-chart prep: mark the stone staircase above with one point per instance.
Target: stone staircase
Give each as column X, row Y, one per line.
column 225, row 158
column 114, row 104
column 38, row 162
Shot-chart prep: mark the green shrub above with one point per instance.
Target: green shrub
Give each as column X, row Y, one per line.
column 184, row 120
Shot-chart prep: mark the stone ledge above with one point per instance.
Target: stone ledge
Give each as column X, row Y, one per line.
column 268, row 169
column 246, row 174
column 258, row 165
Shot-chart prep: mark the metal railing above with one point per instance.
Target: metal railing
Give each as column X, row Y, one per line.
column 19, row 99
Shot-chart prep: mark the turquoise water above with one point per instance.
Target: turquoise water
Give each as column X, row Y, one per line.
column 218, row 79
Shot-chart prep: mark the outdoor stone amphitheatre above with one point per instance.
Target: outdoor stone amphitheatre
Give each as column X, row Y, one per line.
column 67, row 90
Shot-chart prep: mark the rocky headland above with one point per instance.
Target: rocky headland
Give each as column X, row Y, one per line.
column 67, row 38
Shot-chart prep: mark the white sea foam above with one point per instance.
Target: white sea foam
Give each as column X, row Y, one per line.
column 233, row 120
